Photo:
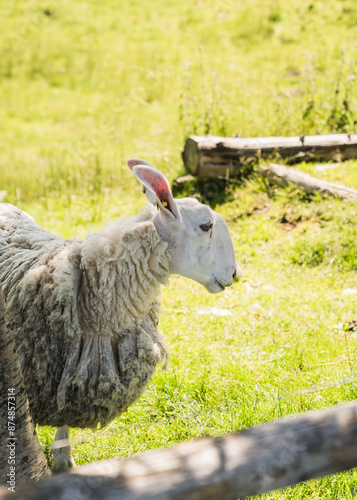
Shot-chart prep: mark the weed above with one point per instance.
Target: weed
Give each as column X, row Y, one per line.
column 319, row 245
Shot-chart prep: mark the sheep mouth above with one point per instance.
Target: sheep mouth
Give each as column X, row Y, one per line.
column 222, row 287
column 214, row 286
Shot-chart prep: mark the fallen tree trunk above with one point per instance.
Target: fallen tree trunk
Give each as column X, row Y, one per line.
column 229, row 467
column 21, row 455
column 281, row 175
column 207, row 156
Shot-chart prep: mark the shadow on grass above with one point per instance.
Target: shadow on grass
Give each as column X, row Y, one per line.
column 211, row 191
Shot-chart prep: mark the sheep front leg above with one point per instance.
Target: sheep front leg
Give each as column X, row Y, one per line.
column 61, row 450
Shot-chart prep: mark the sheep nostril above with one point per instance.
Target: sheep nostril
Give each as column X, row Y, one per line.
column 234, row 274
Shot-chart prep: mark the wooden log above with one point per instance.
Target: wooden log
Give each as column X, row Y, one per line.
column 281, row 175
column 253, row 461
column 207, row 156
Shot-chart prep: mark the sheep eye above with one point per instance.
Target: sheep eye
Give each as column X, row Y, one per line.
column 206, row 227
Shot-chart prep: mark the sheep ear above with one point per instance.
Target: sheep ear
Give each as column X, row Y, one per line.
column 150, row 195
column 158, row 186
column 136, row 161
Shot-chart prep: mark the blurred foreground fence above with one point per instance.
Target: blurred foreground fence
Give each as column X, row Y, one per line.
column 234, row 466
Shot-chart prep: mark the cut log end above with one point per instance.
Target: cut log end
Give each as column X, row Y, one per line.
column 191, row 156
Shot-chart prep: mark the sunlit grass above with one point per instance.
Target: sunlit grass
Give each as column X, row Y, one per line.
column 84, row 86
column 280, row 348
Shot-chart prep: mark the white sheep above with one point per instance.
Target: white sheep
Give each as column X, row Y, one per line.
column 84, row 312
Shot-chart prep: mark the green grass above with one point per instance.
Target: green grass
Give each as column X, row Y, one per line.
column 85, row 85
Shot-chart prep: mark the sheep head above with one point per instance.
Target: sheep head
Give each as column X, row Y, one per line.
column 200, row 245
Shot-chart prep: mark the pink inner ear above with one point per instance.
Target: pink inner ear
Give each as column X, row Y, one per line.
column 157, row 183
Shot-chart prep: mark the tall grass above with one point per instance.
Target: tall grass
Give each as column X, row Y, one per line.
column 86, row 84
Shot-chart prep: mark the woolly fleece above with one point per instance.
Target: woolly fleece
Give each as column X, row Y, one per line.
column 84, row 313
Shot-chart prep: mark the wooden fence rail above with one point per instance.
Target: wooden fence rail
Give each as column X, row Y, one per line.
column 253, row 461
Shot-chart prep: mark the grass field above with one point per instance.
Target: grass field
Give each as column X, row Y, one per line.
column 85, row 85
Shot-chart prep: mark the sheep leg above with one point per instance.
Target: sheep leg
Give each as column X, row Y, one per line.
column 61, row 450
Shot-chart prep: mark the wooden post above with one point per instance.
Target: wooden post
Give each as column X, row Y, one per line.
column 21, row 455
column 229, row 467
column 212, row 156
